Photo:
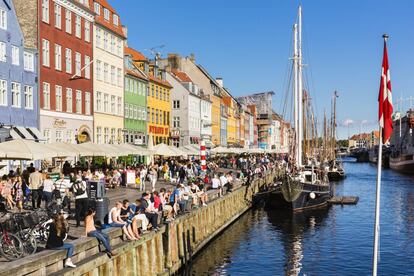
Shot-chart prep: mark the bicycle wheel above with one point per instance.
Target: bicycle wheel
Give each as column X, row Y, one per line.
column 11, row 247
column 29, row 242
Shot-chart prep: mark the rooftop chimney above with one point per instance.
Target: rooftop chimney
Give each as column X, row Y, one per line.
column 220, row 82
column 192, row 57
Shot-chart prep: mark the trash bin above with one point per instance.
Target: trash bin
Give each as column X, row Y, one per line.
column 101, row 206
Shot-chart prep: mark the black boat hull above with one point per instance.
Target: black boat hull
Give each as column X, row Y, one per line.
column 304, row 201
column 335, row 176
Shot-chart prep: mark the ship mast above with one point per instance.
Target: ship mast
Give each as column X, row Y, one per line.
column 295, row 92
column 300, row 86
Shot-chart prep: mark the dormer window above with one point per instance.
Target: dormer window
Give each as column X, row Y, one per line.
column 97, row 8
column 106, row 14
column 116, row 20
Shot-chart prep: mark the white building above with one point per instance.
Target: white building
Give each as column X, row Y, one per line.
column 206, row 131
column 108, row 85
column 185, row 110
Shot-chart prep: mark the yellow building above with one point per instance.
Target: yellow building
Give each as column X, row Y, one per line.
column 232, row 134
column 215, row 119
column 158, row 106
column 242, row 128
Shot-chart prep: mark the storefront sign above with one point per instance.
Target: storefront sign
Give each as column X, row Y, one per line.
column 175, row 133
column 59, row 123
column 158, row 130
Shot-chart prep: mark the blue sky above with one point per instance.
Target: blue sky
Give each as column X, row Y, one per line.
column 248, row 44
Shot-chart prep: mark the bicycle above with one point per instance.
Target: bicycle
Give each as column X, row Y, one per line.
column 11, row 246
column 24, row 224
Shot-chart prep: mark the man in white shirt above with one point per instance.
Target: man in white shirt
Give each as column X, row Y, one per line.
column 216, row 184
column 81, row 199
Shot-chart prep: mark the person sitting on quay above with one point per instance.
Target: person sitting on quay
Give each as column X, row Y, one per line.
column 216, row 184
column 114, row 220
column 91, row 231
column 167, row 209
column 57, row 234
column 149, row 211
column 139, row 215
column 198, row 194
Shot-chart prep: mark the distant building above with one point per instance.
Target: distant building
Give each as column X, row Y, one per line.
column 19, row 110
column 360, row 140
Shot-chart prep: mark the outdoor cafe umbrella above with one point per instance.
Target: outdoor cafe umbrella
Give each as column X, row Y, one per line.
column 91, row 149
column 21, row 149
column 65, row 149
column 135, row 150
column 165, row 150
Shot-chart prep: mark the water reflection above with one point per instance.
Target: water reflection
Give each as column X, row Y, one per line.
column 292, row 228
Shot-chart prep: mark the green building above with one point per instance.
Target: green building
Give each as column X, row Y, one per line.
column 136, row 87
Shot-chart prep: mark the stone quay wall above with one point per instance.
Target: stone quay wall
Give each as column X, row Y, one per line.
column 161, row 253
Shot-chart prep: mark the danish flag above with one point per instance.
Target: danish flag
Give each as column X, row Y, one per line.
column 385, row 98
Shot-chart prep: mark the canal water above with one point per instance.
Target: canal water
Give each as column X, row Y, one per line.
column 334, row 241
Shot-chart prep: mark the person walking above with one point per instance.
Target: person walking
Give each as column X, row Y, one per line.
column 142, row 176
column 48, row 188
column 35, row 182
column 57, row 234
column 81, row 199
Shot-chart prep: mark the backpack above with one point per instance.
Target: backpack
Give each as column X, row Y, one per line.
column 78, row 189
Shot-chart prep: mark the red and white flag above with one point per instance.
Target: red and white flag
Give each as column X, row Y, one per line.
column 385, row 99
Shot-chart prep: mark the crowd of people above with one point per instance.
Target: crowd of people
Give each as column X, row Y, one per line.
column 31, row 187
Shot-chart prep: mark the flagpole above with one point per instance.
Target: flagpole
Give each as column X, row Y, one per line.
column 379, row 171
column 377, row 207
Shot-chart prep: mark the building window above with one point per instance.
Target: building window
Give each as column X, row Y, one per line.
column 87, row 103
column 98, row 70
column 16, row 99
column 112, row 44
column 68, row 21
column 46, row 52
column 106, row 40
column 98, row 134
column 3, row 92
column 69, row 136
column 113, row 98
column 119, row 104
column 87, row 31
column 28, row 97
column 106, row 103
column 46, row 95
column 98, row 37
column 156, row 92
column 58, row 57
column 45, row 11
column 46, row 134
column 106, row 14
column 116, row 20
column 3, row 52
column 3, row 19
column 69, row 100
column 176, row 121
column 106, row 72
column 87, row 67
column 113, row 75
column 58, row 97
column 78, row 28
column 28, row 61
column 15, row 55
column 126, row 84
column 127, row 111
column 58, row 136
column 120, row 47
column 99, row 101
column 69, row 61
column 78, row 65
column 106, row 135
column 97, row 8
column 78, row 101
column 176, row 104
column 58, row 16
column 113, row 136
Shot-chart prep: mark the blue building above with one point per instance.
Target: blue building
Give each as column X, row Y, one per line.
column 19, row 108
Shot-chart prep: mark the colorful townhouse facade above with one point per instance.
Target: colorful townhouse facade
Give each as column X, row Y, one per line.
column 62, row 32
column 186, row 110
column 136, row 89
column 18, row 73
column 108, row 49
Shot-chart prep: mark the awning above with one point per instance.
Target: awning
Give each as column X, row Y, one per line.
column 25, row 133
column 15, row 134
column 36, row 133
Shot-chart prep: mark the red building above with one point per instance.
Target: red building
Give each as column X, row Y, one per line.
column 66, row 71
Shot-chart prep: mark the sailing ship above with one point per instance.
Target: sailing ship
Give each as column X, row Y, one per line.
column 301, row 187
column 402, row 143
